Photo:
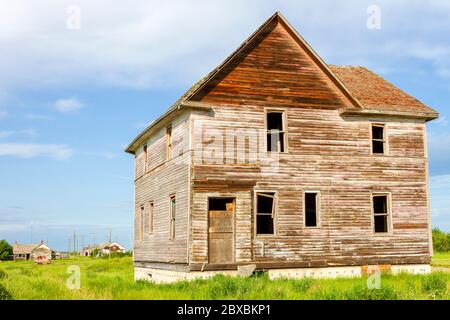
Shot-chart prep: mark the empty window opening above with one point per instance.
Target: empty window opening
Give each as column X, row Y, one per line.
column 275, row 132
column 150, row 217
column 173, row 207
column 145, row 158
column 381, row 213
column 311, row 209
column 169, row 142
column 265, row 212
column 220, row 204
column 378, row 139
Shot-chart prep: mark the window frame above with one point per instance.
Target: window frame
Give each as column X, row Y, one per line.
column 172, row 217
column 275, row 213
column 145, row 151
column 285, row 132
column 151, row 214
column 169, row 142
column 318, row 209
column 389, row 214
column 141, row 223
column 384, row 140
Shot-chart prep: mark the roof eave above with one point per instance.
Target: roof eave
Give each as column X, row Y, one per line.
column 426, row 116
column 181, row 107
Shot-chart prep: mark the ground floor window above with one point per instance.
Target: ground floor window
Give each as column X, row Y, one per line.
column 311, row 209
column 265, row 213
column 381, row 212
column 172, row 213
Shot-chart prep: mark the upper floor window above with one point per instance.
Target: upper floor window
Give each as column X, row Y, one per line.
column 378, row 139
column 145, row 158
column 381, row 212
column 169, row 142
column 276, row 131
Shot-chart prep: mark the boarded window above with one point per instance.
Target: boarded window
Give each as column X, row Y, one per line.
column 141, row 223
column 145, row 159
column 173, row 207
column 169, row 142
column 378, row 139
column 220, row 204
column 381, row 212
column 150, row 217
column 265, row 212
column 311, row 209
column 276, row 134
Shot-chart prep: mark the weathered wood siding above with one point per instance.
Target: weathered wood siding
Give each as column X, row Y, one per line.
column 327, row 154
column 162, row 179
column 272, row 70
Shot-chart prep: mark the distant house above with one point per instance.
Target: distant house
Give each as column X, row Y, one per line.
column 61, row 255
column 31, row 251
column 87, row 251
column 104, row 248
column 111, row 247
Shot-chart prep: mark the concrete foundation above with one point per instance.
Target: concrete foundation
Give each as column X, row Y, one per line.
column 170, row 276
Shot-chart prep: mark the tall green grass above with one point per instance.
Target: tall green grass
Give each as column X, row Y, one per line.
column 113, row 279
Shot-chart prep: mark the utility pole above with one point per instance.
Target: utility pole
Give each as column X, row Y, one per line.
column 110, row 231
column 74, row 242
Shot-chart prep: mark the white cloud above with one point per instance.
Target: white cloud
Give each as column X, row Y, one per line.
column 151, row 43
column 442, row 121
column 106, row 155
column 26, row 150
column 30, row 133
column 68, row 105
column 12, row 227
column 35, row 116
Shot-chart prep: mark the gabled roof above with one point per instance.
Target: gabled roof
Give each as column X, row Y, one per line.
column 29, row 248
column 107, row 245
column 375, row 93
column 277, row 17
column 355, row 84
column 24, row 248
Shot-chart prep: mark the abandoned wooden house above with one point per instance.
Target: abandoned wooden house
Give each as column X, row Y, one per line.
column 280, row 162
column 31, row 251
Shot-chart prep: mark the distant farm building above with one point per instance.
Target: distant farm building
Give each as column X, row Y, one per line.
column 32, row 251
column 104, row 248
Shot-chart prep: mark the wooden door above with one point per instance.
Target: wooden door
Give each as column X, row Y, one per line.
column 221, row 235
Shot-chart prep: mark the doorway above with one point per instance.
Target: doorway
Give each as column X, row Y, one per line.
column 221, row 230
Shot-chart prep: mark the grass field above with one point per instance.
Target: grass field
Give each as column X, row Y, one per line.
column 113, row 279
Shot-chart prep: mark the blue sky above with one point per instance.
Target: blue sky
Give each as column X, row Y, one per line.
column 72, row 98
